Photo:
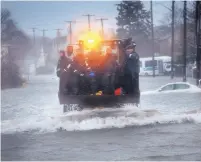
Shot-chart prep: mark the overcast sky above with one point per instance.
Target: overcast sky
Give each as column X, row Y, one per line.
column 51, row 15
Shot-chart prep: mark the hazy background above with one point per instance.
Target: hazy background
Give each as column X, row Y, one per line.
column 52, row 15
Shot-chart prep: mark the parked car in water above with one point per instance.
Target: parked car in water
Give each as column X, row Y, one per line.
column 176, row 87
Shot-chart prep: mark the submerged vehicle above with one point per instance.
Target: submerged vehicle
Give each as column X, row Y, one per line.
column 98, row 76
column 175, row 88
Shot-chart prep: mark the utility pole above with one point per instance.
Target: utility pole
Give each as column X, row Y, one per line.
column 58, row 31
column 57, row 37
column 102, row 26
column 34, row 37
column 34, row 46
column 44, row 30
column 172, row 52
column 89, row 21
column 172, row 9
column 185, row 42
column 70, row 29
column 152, row 33
column 198, row 37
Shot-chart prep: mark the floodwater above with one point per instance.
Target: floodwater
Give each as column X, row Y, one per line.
column 165, row 127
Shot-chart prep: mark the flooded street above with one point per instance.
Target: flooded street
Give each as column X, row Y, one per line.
column 100, row 54
column 166, row 127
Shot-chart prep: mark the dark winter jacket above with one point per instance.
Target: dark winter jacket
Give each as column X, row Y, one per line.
column 63, row 64
column 132, row 63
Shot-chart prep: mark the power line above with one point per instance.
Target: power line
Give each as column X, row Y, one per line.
column 164, row 6
column 89, row 21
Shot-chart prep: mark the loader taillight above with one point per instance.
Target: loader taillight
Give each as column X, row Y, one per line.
column 118, row 92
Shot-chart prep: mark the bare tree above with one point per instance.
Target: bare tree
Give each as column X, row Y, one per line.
column 17, row 44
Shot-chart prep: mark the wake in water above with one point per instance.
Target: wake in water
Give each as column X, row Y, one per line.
column 97, row 119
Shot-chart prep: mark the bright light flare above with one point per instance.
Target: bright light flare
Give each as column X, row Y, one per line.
column 91, row 39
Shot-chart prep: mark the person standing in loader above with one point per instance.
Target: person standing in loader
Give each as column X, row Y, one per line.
column 110, row 67
column 62, row 63
column 64, row 69
column 132, row 69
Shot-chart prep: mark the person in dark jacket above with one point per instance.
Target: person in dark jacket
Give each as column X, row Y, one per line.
column 131, row 69
column 62, row 63
column 64, row 68
column 110, row 67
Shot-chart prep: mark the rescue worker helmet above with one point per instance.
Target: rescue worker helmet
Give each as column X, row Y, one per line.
column 131, row 45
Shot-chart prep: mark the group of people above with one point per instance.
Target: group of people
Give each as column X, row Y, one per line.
column 70, row 66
